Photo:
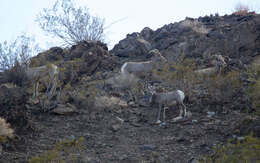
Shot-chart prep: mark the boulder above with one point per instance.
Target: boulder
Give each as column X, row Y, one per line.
column 133, row 46
column 66, row 109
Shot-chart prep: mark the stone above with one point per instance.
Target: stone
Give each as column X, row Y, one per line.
column 115, row 127
column 67, row 109
column 147, row 147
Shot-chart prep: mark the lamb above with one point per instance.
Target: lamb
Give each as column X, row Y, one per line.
column 142, row 69
column 34, row 74
column 168, row 99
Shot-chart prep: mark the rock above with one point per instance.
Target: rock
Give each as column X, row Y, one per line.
column 113, row 103
column 8, row 85
column 194, row 121
column 67, row 109
column 210, row 114
column 147, row 147
column 176, row 39
column 115, row 127
column 193, row 160
column 133, row 46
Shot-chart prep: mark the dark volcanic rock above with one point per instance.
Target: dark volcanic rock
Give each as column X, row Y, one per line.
column 133, row 46
column 234, row 36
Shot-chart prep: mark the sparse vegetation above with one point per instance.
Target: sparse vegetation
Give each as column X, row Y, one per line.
column 247, row 150
column 180, row 75
column 71, row 24
column 254, row 87
column 64, row 151
column 241, row 9
column 15, row 57
column 222, row 87
column 19, row 51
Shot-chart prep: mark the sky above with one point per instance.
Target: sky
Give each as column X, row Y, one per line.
column 18, row 16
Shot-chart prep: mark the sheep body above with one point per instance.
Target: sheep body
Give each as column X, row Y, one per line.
column 142, row 69
column 139, row 69
column 34, row 74
column 206, row 71
column 168, row 99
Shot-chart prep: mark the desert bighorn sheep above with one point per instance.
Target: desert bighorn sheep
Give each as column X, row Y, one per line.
column 218, row 61
column 168, row 99
column 142, row 69
column 34, row 74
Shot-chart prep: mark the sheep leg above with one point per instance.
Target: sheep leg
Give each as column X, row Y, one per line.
column 180, row 115
column 164, row 108
column 159, row 115
column 181, row 110
column 132, row 96
column 184, row 110
column 35, row 89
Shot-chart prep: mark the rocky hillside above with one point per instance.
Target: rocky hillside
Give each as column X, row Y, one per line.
column 112, row 112
column 234, row 36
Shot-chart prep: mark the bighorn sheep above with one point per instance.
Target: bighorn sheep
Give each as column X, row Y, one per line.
column 142, row 69
column 123, row 82
column 34, row 74
column 166, row 100
column 218, row 61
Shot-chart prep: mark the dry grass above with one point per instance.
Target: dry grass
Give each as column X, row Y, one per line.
column 5, row 130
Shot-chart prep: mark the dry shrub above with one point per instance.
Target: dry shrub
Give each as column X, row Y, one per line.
column 109, row 102
column 247, row 150
column 5, row 131
column 241, row 9
column 253, row 90
column 180, row 76
column 222, row 87
column 15, row 75
column 64, row 151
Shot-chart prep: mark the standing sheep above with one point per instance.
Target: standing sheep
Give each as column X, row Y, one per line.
column 166, row 100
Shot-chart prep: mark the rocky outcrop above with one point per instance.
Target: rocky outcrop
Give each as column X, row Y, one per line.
column 233, row 36
column 133, row 46
column 85, row 58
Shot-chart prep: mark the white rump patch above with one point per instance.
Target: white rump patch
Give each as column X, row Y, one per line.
column 181, row 94
column 123, row 67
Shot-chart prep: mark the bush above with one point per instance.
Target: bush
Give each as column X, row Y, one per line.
column 241, row 9
column 64, row 151
column 247, row 150
column 222, row 87
column 180, row 75
column 15, row 75
column 15, row 57
column 253, row 90
column 71, row 24
column 19, row 51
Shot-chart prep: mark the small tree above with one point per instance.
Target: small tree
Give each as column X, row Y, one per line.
column 15, row 57
column 241, row 9
column 71, row 24
column 19, row 51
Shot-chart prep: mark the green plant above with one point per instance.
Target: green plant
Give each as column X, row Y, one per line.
column 180, row 75
column 222, row 87
column 64, row 151
column 253, row 90
column 244, row 151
